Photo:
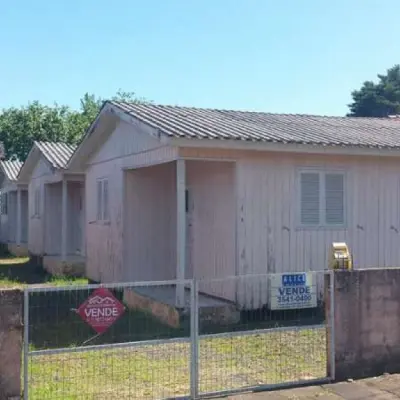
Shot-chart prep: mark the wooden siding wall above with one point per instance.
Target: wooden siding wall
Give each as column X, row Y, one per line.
column 212, row 195
column 12, row 216
column 269, row 238
column 36, row 224
column 24, row 216
column 151, row 223
column 53, row 219
column 127, row 147
column 75, row 213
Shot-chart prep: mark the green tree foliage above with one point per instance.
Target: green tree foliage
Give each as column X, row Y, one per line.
column 20, row 127
column 378, row 99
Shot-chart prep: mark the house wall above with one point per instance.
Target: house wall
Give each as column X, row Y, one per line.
column 127, row 147
column 52, row 219
column 211, row 230
column 269, row 238
column 36, row 223
column 12, row 216
column 24, row 216
column 151, row 223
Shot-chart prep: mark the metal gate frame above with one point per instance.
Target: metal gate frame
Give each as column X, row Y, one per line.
column 194, row 339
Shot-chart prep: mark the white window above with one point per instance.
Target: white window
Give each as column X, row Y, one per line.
column 36, row 203
column 322, row 198
column 102, row 213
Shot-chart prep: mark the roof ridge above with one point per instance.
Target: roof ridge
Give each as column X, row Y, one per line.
column 222, row 110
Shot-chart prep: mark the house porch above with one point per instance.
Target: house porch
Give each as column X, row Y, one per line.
column 179, row 223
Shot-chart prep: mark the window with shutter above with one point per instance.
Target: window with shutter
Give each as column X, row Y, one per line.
column 322, row 198
column 334, row 199
column 310, row 198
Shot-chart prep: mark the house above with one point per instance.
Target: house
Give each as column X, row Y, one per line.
column 56, row 213
column 177, row 192
column 14, row 209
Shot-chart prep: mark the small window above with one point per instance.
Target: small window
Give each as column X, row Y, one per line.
column 322, row 199
column 4, row 203
column 102, row 210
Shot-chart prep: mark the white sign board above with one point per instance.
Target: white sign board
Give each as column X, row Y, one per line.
column 291, row 291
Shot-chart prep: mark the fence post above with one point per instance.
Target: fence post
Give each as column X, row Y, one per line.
column 26, row 344
column 194, row 341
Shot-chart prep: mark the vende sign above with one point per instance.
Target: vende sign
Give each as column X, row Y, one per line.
column 101, row 310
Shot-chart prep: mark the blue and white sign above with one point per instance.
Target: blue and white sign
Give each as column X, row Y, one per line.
column 291, row 291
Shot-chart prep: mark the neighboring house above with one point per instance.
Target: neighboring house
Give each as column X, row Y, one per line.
column 56, row 212
column 174, row 193
column 14, row 209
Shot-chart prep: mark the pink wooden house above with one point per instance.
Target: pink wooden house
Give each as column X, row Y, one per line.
column 14, row 209
column 55, row 208
column 176, row 192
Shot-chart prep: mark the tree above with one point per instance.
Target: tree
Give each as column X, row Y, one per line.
column 379, row 99
column 20, row 127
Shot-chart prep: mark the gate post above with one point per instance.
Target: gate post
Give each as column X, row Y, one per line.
column 194, row 340
column 26, row 344
column 330, row 325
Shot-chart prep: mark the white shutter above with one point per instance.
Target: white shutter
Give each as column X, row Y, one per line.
column 309, row 198
column 105, row 200
column 334, row 199
column 99, row 210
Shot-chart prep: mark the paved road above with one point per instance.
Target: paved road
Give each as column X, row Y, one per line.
column 385, row 387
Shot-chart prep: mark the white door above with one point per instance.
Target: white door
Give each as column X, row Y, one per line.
column 79, row 229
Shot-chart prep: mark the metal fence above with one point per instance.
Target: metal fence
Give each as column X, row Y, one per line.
column 129, row 341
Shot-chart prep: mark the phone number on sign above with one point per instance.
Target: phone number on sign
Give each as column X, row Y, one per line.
column 294, row 299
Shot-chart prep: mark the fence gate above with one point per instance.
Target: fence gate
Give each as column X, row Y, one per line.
column 102, row 342
column 128, row 341
column 263, row 340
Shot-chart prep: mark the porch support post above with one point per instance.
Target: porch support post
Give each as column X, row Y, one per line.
column 19, row 220
column 180, row 231
column 64, row 220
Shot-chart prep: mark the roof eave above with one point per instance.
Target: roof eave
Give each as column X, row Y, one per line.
column 285, row 147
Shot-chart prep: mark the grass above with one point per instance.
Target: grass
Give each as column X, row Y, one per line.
column 19, row 272
column 162, row 371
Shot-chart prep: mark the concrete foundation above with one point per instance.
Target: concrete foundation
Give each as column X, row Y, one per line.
column 18, row 250
column 73, row 266
column 160, row 302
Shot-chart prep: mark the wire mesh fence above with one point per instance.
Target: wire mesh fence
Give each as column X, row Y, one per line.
column 132, row 341
column 121, row 342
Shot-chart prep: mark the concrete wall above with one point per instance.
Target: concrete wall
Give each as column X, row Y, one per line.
column 367, row 322
column 11, row 318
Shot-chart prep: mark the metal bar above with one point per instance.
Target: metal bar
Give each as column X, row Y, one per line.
column 332, row 322
column 110, row 346
column 126, row 285
column 263, row 331
column 26, row 344
column 269, row 387
column 180, row 231
column 194, row 336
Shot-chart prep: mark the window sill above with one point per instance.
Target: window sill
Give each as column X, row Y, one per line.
column 322, row 228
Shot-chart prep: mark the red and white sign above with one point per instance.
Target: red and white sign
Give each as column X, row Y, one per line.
column 101, row 310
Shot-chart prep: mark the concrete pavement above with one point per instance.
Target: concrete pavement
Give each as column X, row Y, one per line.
column 385, row 387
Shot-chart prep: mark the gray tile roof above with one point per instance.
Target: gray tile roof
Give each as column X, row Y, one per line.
column 11, row 168
column 197, row 123
column 57, row 153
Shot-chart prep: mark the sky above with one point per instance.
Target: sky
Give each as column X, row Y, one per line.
column 287, row 56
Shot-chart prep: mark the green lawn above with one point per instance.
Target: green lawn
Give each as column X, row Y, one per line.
column 162, row 371
column 19, row 272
